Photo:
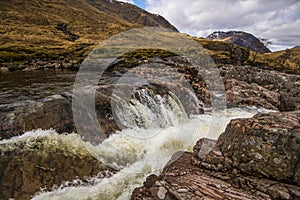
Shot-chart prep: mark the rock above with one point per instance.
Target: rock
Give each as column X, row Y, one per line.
column 243, row 93
column 289, row 102
column 30, row 163
column 247, row 85
column 4, row 69
column 267, row 145
column 52, row 112
column 255, row 158
column 194, row 183
column 203, row 147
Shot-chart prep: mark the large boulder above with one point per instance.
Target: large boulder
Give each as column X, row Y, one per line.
column 31, row 163
column 266, row 145
column 52, row 112
column 243, row 93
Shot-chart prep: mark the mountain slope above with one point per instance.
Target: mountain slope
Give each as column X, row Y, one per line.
column 64, row 29
column 240, row 38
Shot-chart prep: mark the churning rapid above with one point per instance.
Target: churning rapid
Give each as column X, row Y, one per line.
column 142, row 149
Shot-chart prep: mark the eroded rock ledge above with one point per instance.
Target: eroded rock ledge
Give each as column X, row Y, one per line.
column 29, row 164
column 255, row 158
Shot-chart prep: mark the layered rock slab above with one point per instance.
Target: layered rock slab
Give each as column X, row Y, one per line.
column 255, row 158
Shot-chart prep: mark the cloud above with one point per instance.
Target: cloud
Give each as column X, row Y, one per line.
column 276, row 20
column 127, row 1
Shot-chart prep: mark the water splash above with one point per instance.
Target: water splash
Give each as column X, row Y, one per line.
column 137, row 157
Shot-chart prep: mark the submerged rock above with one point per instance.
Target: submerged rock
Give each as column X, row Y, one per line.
column 31, row 163
column 255, row 158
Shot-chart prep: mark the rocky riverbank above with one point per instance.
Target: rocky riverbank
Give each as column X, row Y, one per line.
column 255, row 158
column 244, row 85
column 41, row 161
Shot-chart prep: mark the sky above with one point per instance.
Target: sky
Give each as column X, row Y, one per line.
column 275, row 20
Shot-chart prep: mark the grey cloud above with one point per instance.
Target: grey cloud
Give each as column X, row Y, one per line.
column 276, row 20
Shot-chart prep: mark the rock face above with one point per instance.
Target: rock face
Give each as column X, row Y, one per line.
column 255, row 158
column 29, row 164
column 246, row 85
column 53, row 112
column 240, row 38
column 267, row 145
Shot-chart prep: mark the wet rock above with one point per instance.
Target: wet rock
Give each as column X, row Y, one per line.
column 255, row 158
column 31, row 163
column 52, row 112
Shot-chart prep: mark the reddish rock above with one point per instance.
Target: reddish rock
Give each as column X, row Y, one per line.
column 255, row 158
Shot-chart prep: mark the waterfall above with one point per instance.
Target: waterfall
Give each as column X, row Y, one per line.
column 148, row 110
column 136, row 155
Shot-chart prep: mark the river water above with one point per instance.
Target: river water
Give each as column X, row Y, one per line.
column 34, row 85
column 135, row 152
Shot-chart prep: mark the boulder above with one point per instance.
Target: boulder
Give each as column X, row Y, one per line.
column 52, row 112
column 247, row 85
column 31, row 163
column 267, row 145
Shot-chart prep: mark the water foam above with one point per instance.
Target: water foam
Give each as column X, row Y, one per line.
column 138, row 157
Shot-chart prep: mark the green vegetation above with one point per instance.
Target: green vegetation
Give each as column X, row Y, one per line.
column 287, row 60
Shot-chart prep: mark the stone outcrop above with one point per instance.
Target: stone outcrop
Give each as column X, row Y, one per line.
column 267, row 145
column 247, row 85
column 255, row 158
column 30, row 164
column 52, row 112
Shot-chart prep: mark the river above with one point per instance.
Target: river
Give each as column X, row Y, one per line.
column 134, row 152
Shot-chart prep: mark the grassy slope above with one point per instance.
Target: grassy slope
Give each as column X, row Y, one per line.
column 28, row 32
column 28, row 28
column 286, row 60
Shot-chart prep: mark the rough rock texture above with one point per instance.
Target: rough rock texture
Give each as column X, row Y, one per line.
column 255, row 158
column 31, row 163
column 247, row 85
column 53, row 112
column 266, row 145
column 243, row 93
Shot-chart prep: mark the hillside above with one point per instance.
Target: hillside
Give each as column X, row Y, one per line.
column 240, row 38
column 63, row 29
column 286, row 60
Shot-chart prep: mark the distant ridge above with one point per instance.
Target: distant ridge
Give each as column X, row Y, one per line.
column 240, row 38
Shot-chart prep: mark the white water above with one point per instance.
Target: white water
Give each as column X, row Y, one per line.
column 137, row 153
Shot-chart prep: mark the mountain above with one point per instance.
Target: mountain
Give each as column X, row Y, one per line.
column 64, row 29
column 240, row 38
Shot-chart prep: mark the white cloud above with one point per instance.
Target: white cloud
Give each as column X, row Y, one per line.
column 276, row 20
column 127, row 1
